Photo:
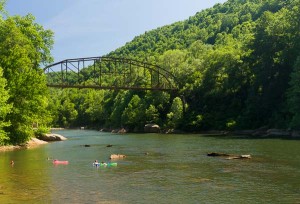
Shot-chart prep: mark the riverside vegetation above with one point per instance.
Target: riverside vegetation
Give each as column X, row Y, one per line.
column 237, row 64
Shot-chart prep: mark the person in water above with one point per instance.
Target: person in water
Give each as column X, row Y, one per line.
column 96, row 163
column 12, row 162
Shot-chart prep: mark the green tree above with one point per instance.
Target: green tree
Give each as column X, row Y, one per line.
column 5, row 109
column 24, row 45
column 294, row 96
column 93, row 106
column 119, row 104
column 134, row 114
column 176, row 112
column 54, row 106
column 67, row 113
column 172, row 60
column 275, row 49
column 152, row 114
column 2, row 11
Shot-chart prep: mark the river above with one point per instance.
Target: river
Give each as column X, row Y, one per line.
column 158, row 169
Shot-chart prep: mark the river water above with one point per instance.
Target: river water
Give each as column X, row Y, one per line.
column 157, row 169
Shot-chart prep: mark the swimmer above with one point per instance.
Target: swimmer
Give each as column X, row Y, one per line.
column 96, row 163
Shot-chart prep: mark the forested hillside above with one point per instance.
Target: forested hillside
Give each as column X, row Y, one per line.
column 237, row 65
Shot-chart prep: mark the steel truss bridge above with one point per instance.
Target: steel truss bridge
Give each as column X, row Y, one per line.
column 109, row 73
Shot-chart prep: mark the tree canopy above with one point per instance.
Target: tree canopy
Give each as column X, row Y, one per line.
column 24, row 47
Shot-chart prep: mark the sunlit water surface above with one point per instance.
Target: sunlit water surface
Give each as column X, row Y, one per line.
column 157, row 169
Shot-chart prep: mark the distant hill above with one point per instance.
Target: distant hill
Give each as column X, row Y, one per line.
column 237, row 66
column 204, row 26
column 238, row 57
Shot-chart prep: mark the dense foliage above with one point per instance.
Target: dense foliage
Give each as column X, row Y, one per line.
column 237, row 65
column 24, row 46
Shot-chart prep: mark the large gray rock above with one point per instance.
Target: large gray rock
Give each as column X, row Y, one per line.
column 152, row 128
column 52, row 137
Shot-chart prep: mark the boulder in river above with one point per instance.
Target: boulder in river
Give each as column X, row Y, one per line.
column 151, row 128
column 122, row 131
column 229, row 156
column 216, row 154
column 243, row 156
column 117, row 156
column 52, row 137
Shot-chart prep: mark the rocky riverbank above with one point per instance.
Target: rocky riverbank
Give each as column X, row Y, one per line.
column 262, row 132
column 265, row 132
column 34, row 142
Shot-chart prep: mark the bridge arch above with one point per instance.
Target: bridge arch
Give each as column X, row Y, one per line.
column 109, row 73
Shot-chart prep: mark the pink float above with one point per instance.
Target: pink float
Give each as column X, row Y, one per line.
column 60, row 162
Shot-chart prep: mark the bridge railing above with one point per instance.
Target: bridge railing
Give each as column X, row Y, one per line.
column 109, row 73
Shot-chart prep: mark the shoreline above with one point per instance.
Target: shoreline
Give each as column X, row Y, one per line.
column 32, row 143
column 256, row 133
column 259, row 133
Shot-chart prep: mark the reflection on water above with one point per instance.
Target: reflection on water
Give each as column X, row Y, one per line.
column 157, row 169
column 25, row 178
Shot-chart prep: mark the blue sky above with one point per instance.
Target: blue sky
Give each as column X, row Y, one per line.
column 86, row 28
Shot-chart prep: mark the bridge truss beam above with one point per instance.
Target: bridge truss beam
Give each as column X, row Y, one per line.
column 109, row 73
